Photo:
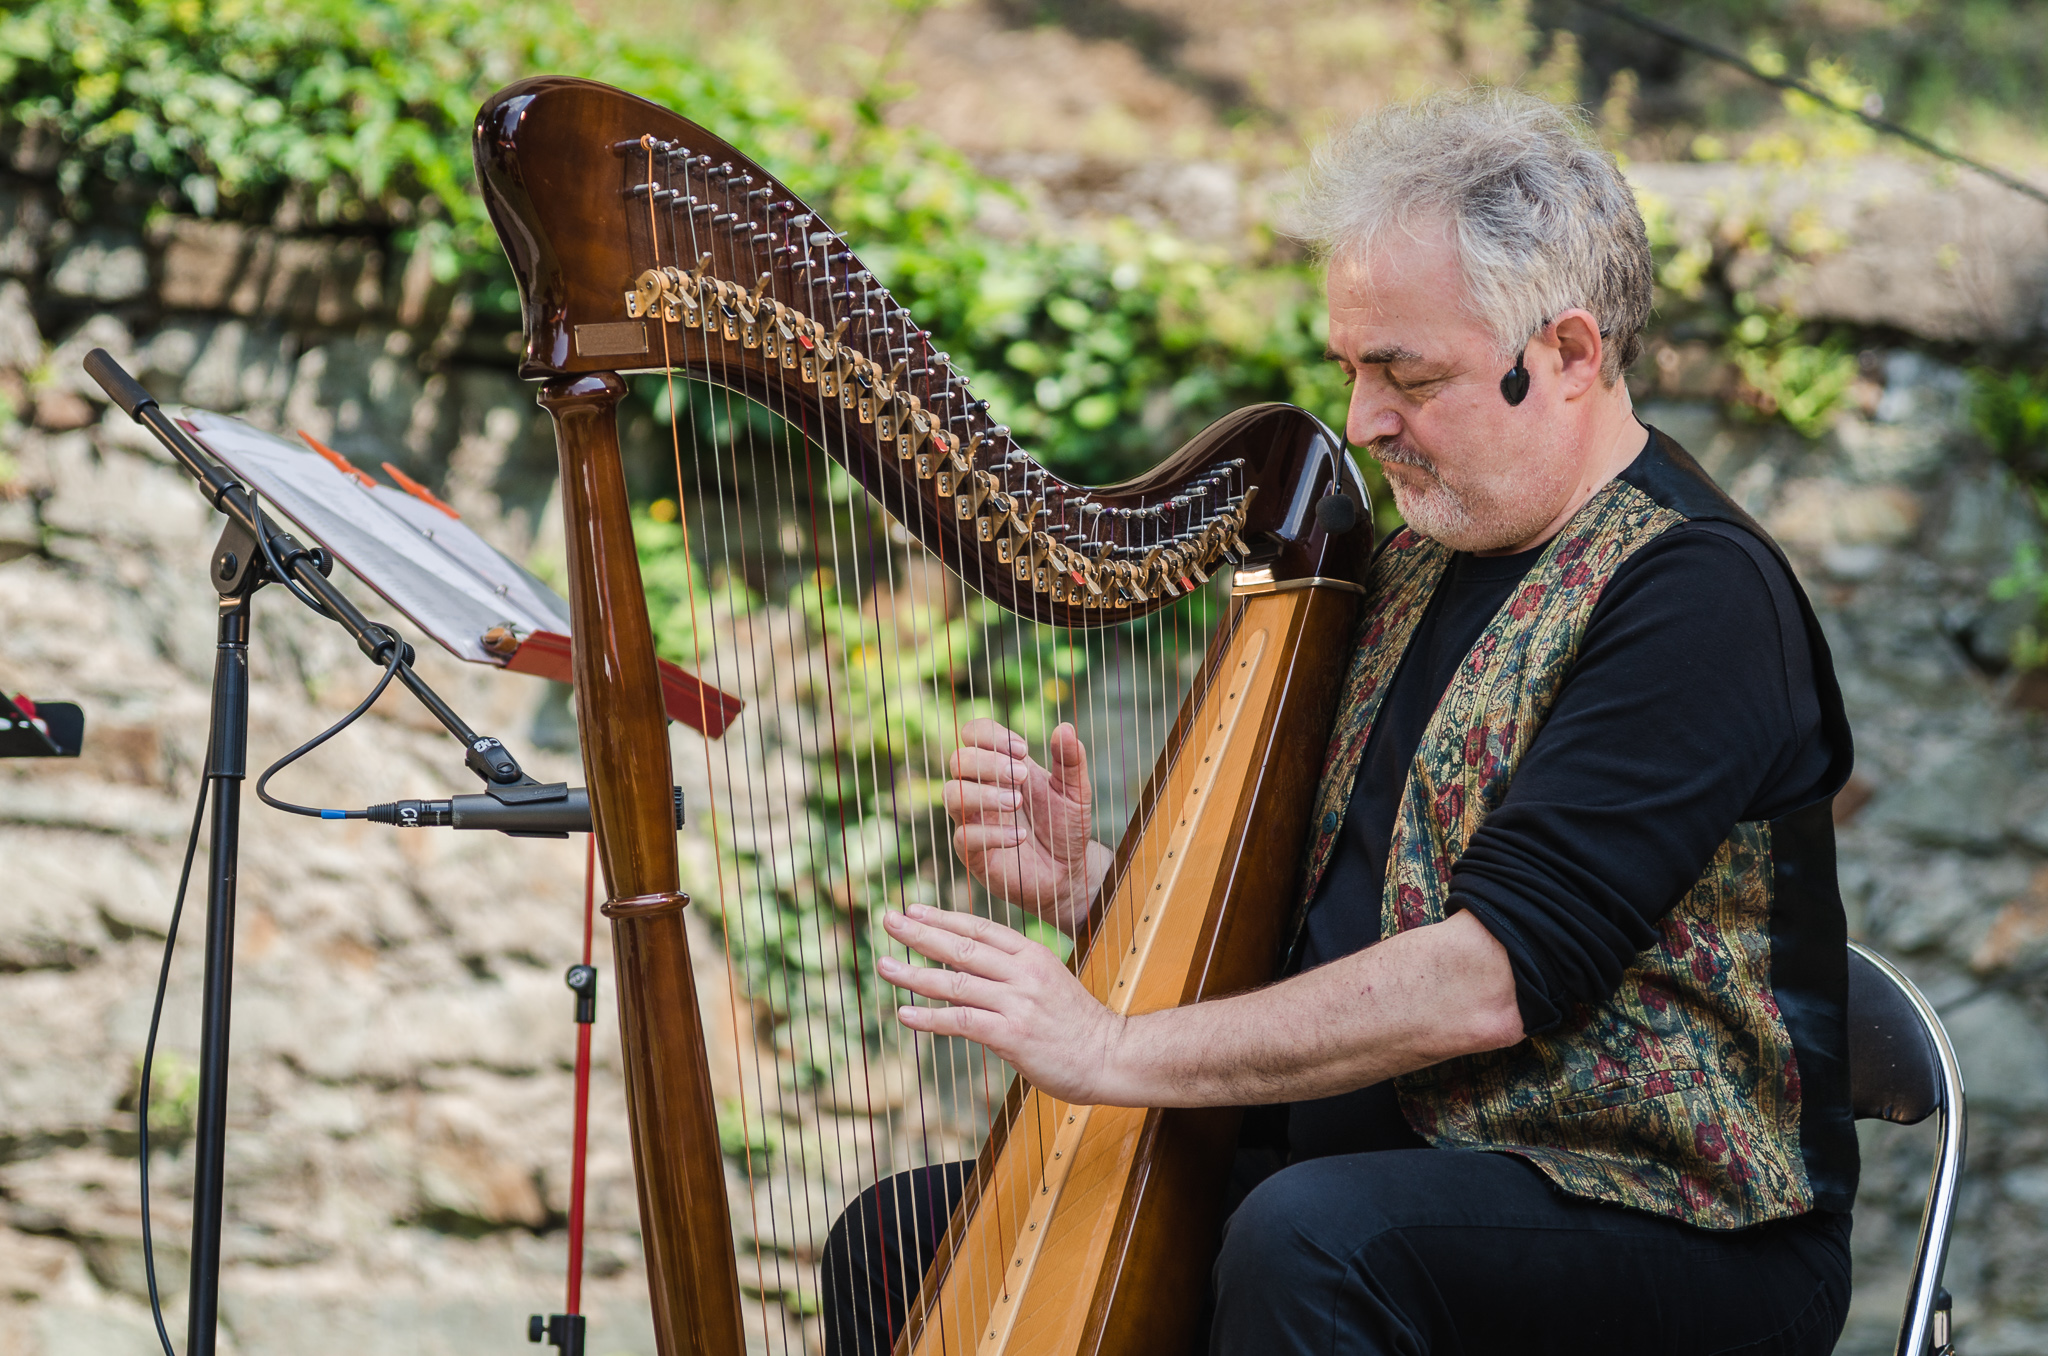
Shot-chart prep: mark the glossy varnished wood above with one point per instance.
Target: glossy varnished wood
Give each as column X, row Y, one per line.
column 558, row 161
column 684, row 1219
column 1129, row 1220
column 1128, row 1200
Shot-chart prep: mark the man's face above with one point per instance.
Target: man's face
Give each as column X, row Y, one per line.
column 1466, row 468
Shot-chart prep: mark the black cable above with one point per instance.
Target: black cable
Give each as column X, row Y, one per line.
column 163, row 979
column 1678, row 37
column 263, row 782
column 156, row 1012
column 277, row 569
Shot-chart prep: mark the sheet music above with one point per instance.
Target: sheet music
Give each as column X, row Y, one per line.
column 448, row 581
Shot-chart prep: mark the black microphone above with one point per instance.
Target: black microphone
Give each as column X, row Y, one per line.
column 552, row 811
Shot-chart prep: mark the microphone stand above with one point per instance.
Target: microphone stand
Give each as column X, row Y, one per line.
column 253, row 551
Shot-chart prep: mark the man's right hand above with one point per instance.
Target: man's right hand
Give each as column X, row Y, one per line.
column 1024, row 830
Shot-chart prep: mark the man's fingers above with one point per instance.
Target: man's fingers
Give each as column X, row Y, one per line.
column 969, row 802
column 989, row 836
column 971, row 1023
column 984, row 733
column 978, row 845
column 968, row 941
column 1067, row 764
column 958, row 987
column 988, row 765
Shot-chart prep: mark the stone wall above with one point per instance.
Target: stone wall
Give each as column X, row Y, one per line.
column 398, row 1169
column 398, row 1172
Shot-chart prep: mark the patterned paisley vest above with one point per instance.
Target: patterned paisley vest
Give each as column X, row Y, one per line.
column 1712, row 1085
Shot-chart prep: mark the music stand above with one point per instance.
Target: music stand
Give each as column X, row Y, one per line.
column 419, row 556
column 438, row 573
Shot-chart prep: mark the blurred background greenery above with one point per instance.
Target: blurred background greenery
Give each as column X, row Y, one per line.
column 951, row 146
column 1087, row 202
column 1103, row 342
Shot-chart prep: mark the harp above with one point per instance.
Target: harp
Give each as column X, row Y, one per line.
column 642, row 243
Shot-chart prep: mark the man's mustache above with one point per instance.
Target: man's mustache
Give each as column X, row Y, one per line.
column 1384, row 450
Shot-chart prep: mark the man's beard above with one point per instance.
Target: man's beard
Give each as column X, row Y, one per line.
column 1461, row 518
column 1436, row 511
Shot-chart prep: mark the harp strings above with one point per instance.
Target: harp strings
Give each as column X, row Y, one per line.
column 725, row 902
column 761, row 818
column 876, row 619
column 805, row 1005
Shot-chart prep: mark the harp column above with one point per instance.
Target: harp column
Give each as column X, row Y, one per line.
column 684, row 1222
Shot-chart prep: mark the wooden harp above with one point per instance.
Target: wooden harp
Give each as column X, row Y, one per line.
column 643, row 243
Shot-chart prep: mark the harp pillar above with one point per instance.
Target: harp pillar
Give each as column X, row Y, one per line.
column 684, row 1223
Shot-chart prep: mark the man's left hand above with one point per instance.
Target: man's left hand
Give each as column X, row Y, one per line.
column 1010, row 994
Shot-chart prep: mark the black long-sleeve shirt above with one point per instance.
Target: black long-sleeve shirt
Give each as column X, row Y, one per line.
column 1692, row 706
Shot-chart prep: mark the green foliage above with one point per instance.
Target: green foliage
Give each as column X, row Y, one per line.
column 746, row 1136
column 1803, row 383
column 1103, row 351
column 173, row 1095
column 2010, row 411
column 358, row 111
column 1106, row 351
column 2028, row 579
column 1949, row 68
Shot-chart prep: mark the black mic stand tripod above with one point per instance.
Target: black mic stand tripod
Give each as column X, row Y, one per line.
column 253, row 551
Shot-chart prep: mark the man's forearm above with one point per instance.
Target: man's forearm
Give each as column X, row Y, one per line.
column 1418, row 998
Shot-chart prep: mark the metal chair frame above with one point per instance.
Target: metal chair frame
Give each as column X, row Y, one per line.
column 1925, row 1329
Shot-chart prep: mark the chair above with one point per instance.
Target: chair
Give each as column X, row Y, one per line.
column 1902, row 1069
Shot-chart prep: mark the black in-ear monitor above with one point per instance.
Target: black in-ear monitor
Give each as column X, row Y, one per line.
column 1514, row 387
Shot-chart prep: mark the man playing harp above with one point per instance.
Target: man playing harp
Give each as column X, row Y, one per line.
column 1558, row 1060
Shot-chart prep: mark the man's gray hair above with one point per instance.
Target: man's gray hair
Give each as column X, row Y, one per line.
column 1539, row 213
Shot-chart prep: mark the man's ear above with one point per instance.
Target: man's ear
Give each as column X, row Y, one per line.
column 1576, row 335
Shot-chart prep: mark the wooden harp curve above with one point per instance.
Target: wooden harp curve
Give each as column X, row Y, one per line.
column 641, row 242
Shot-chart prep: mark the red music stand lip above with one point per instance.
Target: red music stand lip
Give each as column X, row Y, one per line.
column 686, row 698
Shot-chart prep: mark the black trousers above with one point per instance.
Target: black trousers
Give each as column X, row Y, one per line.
column 1415, row 1251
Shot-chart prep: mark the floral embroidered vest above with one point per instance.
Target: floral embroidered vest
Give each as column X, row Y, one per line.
column 1711, row 1086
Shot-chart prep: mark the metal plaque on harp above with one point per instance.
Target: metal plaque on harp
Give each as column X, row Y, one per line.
column 1064, row 823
